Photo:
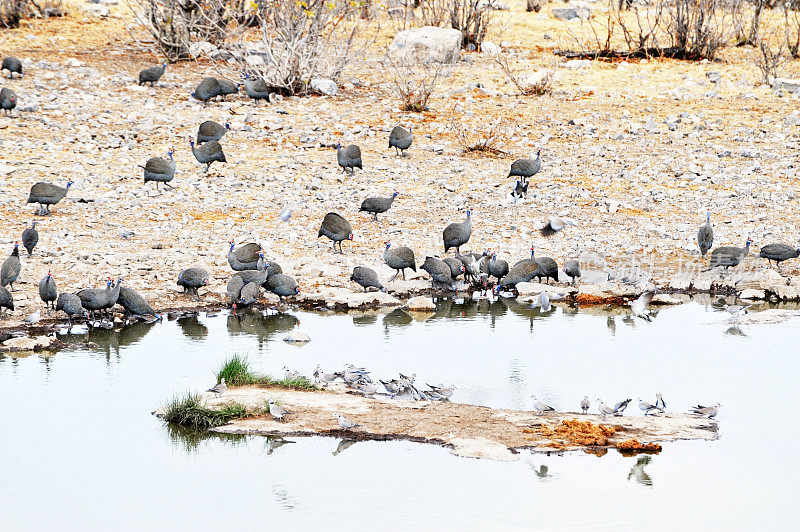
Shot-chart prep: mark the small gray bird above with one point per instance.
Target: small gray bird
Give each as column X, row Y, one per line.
column 585, row 404
column 620, row 407
column 445, row 391
column 646, row 407
column 540, row 406
column 219, row 388
column 660, row 403
column 556, row 224
column 345, row 423
column 392, row 386
column 603, row 409
column 639, row 305
column 737, row 311
column 277, row 411
column 366, row 388
column 30, row 237
column 706, row 411
column 34, row 318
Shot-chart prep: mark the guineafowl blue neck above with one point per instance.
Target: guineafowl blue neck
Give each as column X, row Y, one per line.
column 388, row 244
column 708, row 217
column 532, row 253
column 231, row 247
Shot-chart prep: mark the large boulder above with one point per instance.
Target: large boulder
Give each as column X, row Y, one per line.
column 426, row 44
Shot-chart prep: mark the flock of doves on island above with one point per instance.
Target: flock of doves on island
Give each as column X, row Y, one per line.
column 358, row 380
column 254, row 271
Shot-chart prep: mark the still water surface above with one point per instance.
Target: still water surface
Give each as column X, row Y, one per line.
column 81, row 449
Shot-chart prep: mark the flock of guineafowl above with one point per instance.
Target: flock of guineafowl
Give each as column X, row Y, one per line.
column 254, row 271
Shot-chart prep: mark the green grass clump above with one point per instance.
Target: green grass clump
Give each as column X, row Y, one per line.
column 236, row 372
column 188, row 411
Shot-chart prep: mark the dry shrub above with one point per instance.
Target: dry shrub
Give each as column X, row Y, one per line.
column 769, row 59
column 304, row 39
column 12, row 11
column 470, row 17
column 413, row 82
column 698, row 28
column 539, row 87
column 484, row 137
column 175, row 25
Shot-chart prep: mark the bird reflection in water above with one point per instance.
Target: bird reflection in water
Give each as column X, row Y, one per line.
column 343, row 446
column 638, row 472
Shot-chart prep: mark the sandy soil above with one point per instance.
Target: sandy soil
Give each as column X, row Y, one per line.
column 469, row 430
column 637, row 189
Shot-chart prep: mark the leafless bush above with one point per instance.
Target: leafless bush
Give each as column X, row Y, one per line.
column 470, row 17
column 413, row 82
column 304, row 39
column 176, row 25
column 770, row 55
column 484, row 137
column 537, row 84
column 791, row 27
column 12, row 11
column 698, row 28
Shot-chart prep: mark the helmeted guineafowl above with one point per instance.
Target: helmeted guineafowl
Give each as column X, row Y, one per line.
column 13, row 65
column 210, row 130
column 705, row 236
column 256, row 88
column 271, row 266
column 46, row 194
column 48, row 292
column 207, row 89
column 498, row 268
column 113, row 296
column 160, row 170
column 336, row 228
column 70, row 304
column 11, row 268
column 366, row 277
column 282, row 286
column 522, row 272
column 471, row 267
column 778, row 253
column 208, row 152
column 191, row 279
column 727, row 256
column 555, row 224
column 6, row 301
column 456, row 266
column 249, row 294
column 30, row 237
column 573, row 269
column 95, row 299
column 399, row 258
column 349, row 157
column 526, row 168
column 227, row 87
column 548, row 268
column 376, row 205
column 439, row 272
column 234, row 288
column 457, row 234
column 400, row 139
column 258, row 276
column 135, row 304
column 8, row 100
column 244, row 257
column 151, row 74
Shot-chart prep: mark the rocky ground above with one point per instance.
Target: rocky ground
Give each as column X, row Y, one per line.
column 472, row 431
column 635, row 152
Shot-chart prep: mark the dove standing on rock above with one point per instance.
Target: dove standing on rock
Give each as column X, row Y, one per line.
column 219, row 388
column 706, row 411
column 585, row 404
column 345, row 423
column 603, row 409
column 540, row 406
column 646, row 407
column 277, row 411
column 660, row 403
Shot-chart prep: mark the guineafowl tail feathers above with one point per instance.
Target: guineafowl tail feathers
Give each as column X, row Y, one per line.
column 547, row 230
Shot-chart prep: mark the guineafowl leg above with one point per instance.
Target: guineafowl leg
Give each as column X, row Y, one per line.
column 208, row 165
column 375, row 216
column 404, row 273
